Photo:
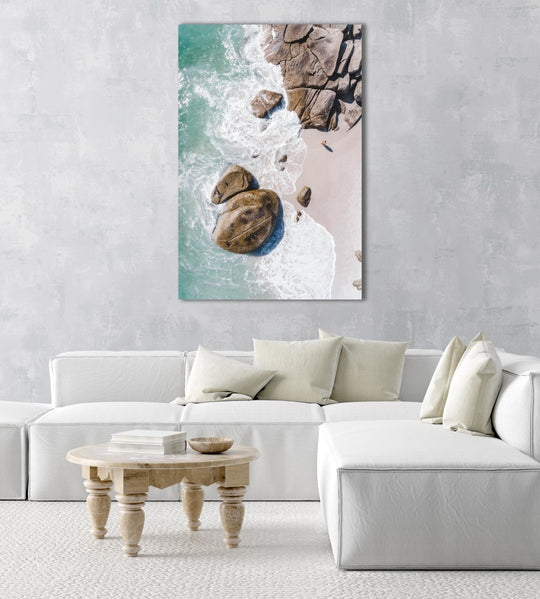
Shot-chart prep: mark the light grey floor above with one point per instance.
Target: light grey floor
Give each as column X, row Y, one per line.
column 46, row 551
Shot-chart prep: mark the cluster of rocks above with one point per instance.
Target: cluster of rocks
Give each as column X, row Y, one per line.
column 322, row 73
column 249, row 215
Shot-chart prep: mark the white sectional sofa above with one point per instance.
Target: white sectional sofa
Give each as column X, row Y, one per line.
column 97, row 393
column 395, row 492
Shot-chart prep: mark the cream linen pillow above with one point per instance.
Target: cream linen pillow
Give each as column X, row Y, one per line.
column 435, row 398
column 305, row 370
column 216, row 378
column 368, row 370
column 474, row 389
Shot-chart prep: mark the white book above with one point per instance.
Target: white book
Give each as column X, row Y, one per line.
column 148, row 436
column 179, row 447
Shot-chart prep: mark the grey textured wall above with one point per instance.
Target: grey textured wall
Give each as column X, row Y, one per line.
column 88, row 144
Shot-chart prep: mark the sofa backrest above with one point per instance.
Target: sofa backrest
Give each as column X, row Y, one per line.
column 516, row 415
column 417, row 370
column 91, row 376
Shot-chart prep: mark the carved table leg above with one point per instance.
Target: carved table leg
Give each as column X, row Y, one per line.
column 192, row 502
column 232, row 513
column 98, row 504
column 131, row 521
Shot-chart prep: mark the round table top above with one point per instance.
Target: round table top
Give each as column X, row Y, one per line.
column 100, row 456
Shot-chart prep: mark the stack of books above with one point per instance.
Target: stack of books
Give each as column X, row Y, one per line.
column 148, row 442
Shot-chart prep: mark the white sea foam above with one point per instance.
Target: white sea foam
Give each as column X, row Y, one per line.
column 302, row 265
column 254, row 143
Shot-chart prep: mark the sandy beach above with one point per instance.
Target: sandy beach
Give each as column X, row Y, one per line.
column 334, row 174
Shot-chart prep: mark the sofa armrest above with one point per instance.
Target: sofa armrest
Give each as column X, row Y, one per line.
column 516, row 415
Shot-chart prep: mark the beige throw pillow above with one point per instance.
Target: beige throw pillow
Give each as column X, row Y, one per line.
column 437, row 391
column 474, row 389
column 216, row 378
column 305, row 370
column 368, row 370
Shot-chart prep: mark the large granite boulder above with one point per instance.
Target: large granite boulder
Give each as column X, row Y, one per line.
column 351, row 112
column 264, row 102
column 325, row 43
column 344, row 57
column 355, row 61
column 233, row 181
column 294, row 33
column 313, row 106
column 275, row 47
column 303, row 70
column 247, row 221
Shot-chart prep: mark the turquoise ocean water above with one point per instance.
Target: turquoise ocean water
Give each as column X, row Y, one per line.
column 220, row 69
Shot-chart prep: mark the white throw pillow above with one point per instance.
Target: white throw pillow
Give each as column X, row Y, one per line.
column 305, row 370
column 217, row 378
column 435, row 398
column 368, row 370
column 474, row 389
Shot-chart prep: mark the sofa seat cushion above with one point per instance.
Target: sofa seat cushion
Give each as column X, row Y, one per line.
column 405, row 494
column 14, row 416
column 137, row 412
column 56, row 432
column 285, row 432
column 372, row 410
column 410, row 444
column 259, row 411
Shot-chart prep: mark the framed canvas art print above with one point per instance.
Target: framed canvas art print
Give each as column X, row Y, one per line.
column 270, row 162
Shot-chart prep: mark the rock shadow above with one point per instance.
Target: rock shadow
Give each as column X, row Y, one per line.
column 274, row 238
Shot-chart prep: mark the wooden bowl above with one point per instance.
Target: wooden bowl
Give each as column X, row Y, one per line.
column 210, row 444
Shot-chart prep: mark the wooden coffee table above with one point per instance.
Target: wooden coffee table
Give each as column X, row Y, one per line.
column 132, row 474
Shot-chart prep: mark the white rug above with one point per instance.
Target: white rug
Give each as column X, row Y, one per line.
column 46, row 551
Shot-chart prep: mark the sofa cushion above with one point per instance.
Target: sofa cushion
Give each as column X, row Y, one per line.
column 215, row 377
column 305, row 370
column 410, row 444
column 516, row 415
column 474, row 389
column 136, row 412
column 400, row 494
column 52, row 435
column 418, row 369
column 95, row 376
column 285, row 432
column 368, row 370
column 437, row 391
column 253, row 412
column 372, row 410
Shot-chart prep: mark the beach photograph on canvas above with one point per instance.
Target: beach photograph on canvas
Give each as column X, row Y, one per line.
column 270, row 162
